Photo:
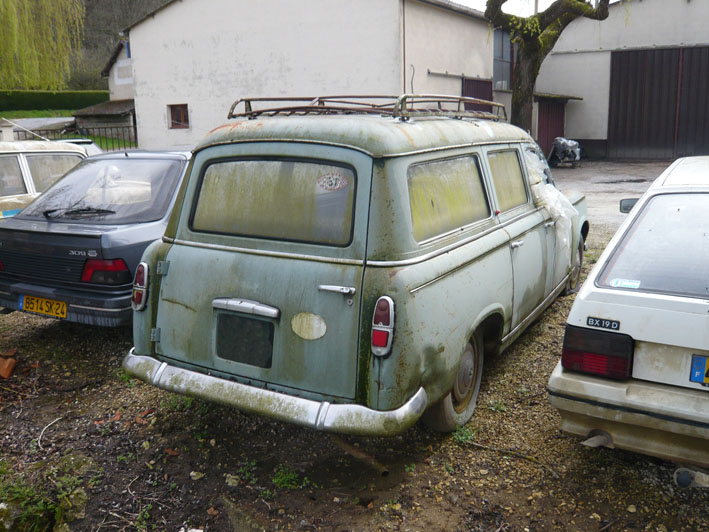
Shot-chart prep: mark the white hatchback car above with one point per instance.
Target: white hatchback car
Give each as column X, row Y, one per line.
column 634, row 371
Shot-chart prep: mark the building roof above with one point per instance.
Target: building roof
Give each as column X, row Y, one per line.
column 445, row 4
column 379, row 136
column 114, row 57
column 109, row 108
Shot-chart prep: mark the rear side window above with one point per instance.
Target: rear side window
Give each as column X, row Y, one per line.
column 11, row 182
column 445, row 195
column 508, row 179
column 46, row 169
column 666, row 249
column 304, row 201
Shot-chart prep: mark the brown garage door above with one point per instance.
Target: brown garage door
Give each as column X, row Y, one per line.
column 658, row 107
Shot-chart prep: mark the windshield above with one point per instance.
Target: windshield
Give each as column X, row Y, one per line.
column 666, row 250
column 110, row 191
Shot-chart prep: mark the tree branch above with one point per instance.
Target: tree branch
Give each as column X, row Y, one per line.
column 498, row 18
column 577, row 8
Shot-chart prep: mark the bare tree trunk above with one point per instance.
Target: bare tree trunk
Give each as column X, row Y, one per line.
column 525, row 76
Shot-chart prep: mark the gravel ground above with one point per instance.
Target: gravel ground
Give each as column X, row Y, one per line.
column 82, row 442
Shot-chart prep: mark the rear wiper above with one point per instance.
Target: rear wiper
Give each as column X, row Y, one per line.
column 78, row 212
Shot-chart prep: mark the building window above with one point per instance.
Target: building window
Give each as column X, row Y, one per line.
column 179, row 117
column 503, row 65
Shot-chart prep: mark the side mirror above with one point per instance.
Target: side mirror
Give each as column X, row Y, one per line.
column 626, row 205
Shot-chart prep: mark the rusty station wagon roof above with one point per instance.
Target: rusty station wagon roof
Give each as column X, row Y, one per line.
column 379, row 136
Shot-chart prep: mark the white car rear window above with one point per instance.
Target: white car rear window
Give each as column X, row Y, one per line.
column 666, row 250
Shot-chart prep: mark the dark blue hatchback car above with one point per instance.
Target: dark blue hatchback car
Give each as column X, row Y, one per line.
column 72, row 253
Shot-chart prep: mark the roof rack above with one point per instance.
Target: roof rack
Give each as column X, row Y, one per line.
column 404, row 107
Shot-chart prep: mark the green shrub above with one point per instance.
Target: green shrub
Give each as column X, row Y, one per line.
column 26, row 100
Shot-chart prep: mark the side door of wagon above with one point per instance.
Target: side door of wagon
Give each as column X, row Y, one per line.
column 525, row 224
column 265, row 276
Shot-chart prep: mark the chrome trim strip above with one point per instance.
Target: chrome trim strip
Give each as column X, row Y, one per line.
column 342, row 418
column 457, row 268
column 532, row 315
column 99, row 309
column 450, row 247
column 5, row 293
column 245, row 306
column 262, row 252
column 361, row 150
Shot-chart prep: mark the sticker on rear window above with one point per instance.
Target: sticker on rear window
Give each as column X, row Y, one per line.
column 333, row 182
column 624, row 283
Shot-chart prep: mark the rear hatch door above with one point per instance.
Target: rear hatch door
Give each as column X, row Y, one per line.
column 264, row 280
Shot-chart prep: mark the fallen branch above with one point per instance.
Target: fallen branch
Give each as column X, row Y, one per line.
column 516, row 454
column 39, row 440
column 361, row 455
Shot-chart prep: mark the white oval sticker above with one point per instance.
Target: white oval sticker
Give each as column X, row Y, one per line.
column 308, row 326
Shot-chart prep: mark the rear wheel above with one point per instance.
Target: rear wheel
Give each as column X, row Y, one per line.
column 574, row 281
column 456, row 408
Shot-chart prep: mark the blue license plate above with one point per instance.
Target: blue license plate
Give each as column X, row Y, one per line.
column 700, row 370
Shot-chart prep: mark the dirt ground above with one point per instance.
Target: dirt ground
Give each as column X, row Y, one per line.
column 81, row 443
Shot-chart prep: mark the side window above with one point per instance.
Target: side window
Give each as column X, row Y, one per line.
column 11, row 182
column 508, row 179
column 445, row 195
column 47, row 169
column 537, row 166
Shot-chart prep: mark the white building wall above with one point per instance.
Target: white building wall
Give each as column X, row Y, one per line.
column 440, row 40
column 579, row 65
column 120, row 78
column 585, row 75
column 208, row 54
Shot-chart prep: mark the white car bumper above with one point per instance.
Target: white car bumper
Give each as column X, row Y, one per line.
column 664, row 421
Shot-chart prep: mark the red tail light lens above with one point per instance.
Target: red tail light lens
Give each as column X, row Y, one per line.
column 601, row 353
column 383, row 326
column 101, row 271
column 140, row 287
column 2, row 266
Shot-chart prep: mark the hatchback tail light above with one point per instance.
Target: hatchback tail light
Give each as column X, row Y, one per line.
column 383, row 326
column 139, row 296
column 601, row 353
column 100, row 271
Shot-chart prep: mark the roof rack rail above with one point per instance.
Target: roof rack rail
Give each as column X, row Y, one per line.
column 404, row 107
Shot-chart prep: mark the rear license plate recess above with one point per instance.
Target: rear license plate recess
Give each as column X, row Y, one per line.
column 245, row 340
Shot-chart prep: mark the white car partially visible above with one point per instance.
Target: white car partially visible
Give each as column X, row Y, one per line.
column 634, row 371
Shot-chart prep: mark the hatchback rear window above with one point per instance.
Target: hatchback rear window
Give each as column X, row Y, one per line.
column 110, row 191
column 277, row 199
column 666, row 250
column 46, row 169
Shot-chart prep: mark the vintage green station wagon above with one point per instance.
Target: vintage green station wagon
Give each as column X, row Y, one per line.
column 347, row 263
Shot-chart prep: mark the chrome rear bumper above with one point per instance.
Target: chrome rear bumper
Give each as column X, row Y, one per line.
column 342, row 418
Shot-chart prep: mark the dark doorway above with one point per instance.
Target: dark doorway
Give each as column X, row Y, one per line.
column 658, row 105
column 550, row 123
column 477, row 88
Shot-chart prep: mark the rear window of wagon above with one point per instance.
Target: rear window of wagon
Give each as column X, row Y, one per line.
column 277, row 199
column 666, row 250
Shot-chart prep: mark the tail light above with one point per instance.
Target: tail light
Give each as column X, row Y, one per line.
column 2, row 266
column 100, row 271
column 383, row 326
column 601, row 353
column 140, row 287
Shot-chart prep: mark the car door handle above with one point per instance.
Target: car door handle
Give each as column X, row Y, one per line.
column 517, row 244
column 550, row 224
column 246, row 306
column 344, row 290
